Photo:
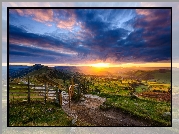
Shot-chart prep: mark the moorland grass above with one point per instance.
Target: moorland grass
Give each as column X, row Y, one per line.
column 37, row 113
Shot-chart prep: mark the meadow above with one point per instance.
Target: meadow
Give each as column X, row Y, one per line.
column 143, row 96
column 121, row 95
column 37, row 113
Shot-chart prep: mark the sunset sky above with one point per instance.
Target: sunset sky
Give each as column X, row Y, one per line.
column 90, row 36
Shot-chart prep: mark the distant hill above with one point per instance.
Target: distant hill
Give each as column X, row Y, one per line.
column 41, row 73
column 160, row 75
column 20, row 71
column 66, row 72
column 67, row 68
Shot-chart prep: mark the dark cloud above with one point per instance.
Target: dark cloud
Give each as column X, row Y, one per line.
column 34, row 50
column 18, row 52
column 19, row 33
column 21, row 36
column 156, row 24
column 123, row 35
column 151, row 39
column 32, row 59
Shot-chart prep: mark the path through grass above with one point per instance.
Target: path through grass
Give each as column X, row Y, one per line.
column 147, row 109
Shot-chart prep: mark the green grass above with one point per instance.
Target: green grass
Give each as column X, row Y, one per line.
column 139, row 88
column 163, row 77
column 147, row 109
column 113, row 87
column 37, row 114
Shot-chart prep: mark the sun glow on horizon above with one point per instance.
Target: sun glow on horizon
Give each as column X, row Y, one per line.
column 104, row 65
column 100, row 65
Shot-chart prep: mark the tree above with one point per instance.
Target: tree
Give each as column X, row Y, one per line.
column 132, row 87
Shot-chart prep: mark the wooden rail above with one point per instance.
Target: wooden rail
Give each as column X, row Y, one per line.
column 18, row 91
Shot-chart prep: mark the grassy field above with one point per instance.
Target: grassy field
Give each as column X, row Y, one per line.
column 37, row 114
column 147, row 109
column 141, row 88
column 162, row 77
column 119, row 98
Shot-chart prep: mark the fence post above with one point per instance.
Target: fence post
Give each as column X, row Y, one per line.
column 28, row 91
column 69, row 93
column 78, row 93
column 60, row 97
column 57, row 95
column 45, row 92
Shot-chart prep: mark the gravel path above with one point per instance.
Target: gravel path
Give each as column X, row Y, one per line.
column 87, row 111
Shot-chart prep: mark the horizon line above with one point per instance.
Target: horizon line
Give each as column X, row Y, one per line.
column 110, row 65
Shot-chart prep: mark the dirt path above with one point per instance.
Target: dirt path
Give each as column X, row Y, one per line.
column 88, row 112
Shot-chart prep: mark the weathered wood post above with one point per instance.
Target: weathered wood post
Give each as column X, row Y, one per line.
column 60, row 99
column 28, row 90
column 72, row 87
column 79, row 93
column 45, row 92
column 69, row 93
column 59, row 95
column 47, row 87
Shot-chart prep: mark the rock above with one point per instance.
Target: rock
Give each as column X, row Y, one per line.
column 82, row 99
column 166, row 114
column 74, row 121
column 81, row 104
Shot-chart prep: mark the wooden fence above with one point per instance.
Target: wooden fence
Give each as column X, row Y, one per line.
column 29, row 91
column 44, row 92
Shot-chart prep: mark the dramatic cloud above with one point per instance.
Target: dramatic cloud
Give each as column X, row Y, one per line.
column 85, row 35
column 41, row 15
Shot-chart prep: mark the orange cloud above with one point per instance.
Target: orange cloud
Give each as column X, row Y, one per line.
column 143, row 11
column 46, row 15
column 39, row 15
column 67, row 24
column 150, row 15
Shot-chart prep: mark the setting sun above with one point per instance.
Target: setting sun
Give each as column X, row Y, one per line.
column 100, row 65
